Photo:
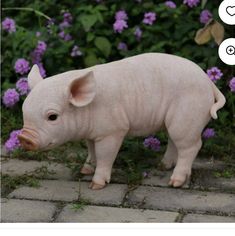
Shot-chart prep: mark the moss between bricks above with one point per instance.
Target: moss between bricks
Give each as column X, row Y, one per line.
column 9, row 183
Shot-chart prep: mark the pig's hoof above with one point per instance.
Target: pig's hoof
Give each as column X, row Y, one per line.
column 176, row 183
column 95, row 186
column 87, row 171
column 166, row 165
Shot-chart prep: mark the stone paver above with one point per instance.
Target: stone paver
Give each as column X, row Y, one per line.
column 208, row 164
column 50, row 190
column 15, row 210
column 160, row 179
column 54, row 190
column 208, row 181
column 156, row 202
column 113, row 194
column 15, row 167
column 196, row 218
column 112, row 214
column 176, row 199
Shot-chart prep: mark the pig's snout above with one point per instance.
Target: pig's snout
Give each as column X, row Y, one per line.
column 28, row 141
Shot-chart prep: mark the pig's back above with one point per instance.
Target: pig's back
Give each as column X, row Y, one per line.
column 143, row 87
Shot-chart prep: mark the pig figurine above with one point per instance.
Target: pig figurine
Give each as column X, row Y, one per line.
column 136, row 96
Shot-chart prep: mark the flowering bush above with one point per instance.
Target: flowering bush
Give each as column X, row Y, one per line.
column 64, row 35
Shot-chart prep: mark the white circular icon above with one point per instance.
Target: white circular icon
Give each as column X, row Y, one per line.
column 227, row 51
column 227, row 12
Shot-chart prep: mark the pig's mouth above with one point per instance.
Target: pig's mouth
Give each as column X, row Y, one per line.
column 49, row 146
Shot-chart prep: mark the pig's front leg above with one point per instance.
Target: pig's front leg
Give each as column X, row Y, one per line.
column 106, row 150
column 89, row 166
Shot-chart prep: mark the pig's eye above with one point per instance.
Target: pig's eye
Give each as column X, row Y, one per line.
column 52, row 117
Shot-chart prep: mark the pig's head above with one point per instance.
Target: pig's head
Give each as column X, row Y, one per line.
column 54, row 111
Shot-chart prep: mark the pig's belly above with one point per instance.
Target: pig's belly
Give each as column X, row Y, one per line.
column 145, row 125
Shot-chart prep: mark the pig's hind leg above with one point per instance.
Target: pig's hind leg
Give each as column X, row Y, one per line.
column 170, row 157
column 185, row 121
column 89, row 166
column 186, row 156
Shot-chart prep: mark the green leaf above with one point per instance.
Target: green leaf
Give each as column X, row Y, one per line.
column 88, row 21
column 204, row 3
column 90, row 37
column 103, row 45
column 91, row 60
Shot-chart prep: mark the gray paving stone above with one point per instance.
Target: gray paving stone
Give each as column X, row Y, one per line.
column 208, row 181
column 15, row 167
column 15, row 210
column 209, row 164
column 112, row 194
column 55, row 190
column 114, row 214
column 50, row 190
column 188, row 200
column 160, row 179
column 198, row 218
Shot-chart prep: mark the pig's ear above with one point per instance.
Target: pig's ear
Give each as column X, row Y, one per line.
column 82, row 90
column 34, row 77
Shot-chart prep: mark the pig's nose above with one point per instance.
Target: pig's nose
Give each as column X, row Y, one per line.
column 27, row 143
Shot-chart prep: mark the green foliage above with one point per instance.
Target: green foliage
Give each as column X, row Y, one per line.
column 9, row 183
column 92, row 30
column 79, row 205
column 228, row 173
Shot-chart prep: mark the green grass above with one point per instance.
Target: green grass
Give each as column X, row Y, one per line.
column 10, row 183
column 227, row 173
column 79, row 205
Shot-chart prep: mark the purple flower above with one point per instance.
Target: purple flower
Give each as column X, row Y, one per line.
column 38, row 34
column 9, row 25
column 232, row 84
column 41, row 47
column 121, row 15
column 205, row 16
column 41, row 69
column 145, row 174
column 191, row 3
column 68, row 17
column 64, row 36
column 49, row 25
column 214, row 74
column 50, row 22
column 38, row 52
column 119, row 25
column 35, row 57
column 10, row 97
column 22, row 66
column 13, row 142
column 64, row 24
column 152, row 143
column 138, row 33
column 208, row 133
column 149, row 18
column 75, row 51
column 122, row 46
column 22, row 86
column 170, row 4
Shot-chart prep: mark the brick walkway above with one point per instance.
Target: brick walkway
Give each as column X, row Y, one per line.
column 61, row 199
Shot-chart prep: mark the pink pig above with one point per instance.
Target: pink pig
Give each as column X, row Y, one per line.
column 136, row 96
